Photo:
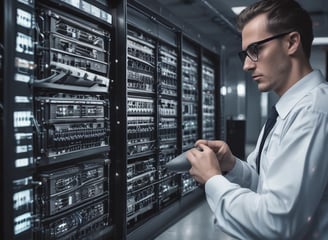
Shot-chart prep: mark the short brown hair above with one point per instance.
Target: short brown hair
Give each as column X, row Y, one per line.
column 283, row 16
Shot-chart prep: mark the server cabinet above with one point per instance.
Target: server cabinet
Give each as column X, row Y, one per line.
column 56, row 85
column 71, row 96
column 172, row 82
column 152, row 120
column 17, row 162
column 235, row 136
column 190, row 94
column 72, row 114
column 191, row 107
column 169, row 116
column 93, row 105
column 141, row 125
column 209, row 99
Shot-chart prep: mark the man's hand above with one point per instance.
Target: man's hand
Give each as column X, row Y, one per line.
column 223, row 153
column 210, row 158
column 204, row 163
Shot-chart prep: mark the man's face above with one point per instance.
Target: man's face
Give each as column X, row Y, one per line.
column 271, row 69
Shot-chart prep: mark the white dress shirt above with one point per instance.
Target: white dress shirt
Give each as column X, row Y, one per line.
column 289, row 199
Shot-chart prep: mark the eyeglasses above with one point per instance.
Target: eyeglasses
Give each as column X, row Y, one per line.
column 252, row 51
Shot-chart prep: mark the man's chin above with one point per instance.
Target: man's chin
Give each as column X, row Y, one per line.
column 262, row 88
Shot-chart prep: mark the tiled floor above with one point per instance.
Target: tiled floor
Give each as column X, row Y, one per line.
column 197, row 225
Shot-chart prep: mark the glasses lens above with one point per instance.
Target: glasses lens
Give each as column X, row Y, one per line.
column 252, row 52
column 242, row 56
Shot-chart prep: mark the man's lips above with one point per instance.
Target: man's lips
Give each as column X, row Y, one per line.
column 256, row 77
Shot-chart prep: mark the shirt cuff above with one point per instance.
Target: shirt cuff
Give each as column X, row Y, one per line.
column 215, row 188
column 217, row 184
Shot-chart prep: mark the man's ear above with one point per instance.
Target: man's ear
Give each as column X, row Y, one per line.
column 294, row 42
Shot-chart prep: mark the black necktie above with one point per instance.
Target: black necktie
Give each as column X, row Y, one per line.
column 268, row 126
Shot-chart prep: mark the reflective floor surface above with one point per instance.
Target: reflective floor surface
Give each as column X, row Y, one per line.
column 197, row 225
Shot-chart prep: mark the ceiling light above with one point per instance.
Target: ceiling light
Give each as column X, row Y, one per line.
column 238, row 10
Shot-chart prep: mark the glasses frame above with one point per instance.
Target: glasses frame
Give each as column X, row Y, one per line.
column 243, row 54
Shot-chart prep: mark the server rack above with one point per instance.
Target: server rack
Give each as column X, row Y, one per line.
column 155, row 63
column 191, row 107
column 182, row 72
column 17, row 129
column 72, row 120
column 96, row 99
column 57, row 83
column 141, row 125
column 208, row 99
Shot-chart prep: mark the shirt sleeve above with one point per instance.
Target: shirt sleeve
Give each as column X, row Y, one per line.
column 295, row 180
column 244, row 174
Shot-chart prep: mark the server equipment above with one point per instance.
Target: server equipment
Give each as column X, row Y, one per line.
column 208, row 99
column 17, row 125
column 190, row 106
column 61, row 119
column 97, row 96
column 141, row 125
column 168, row 104
column 72, row 122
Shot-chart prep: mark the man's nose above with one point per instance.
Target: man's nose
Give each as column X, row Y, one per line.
column 248, row 64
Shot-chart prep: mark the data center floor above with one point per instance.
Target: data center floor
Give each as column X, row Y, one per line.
column 197, row 225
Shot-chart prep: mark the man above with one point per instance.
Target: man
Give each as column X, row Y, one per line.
column 280, row 192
